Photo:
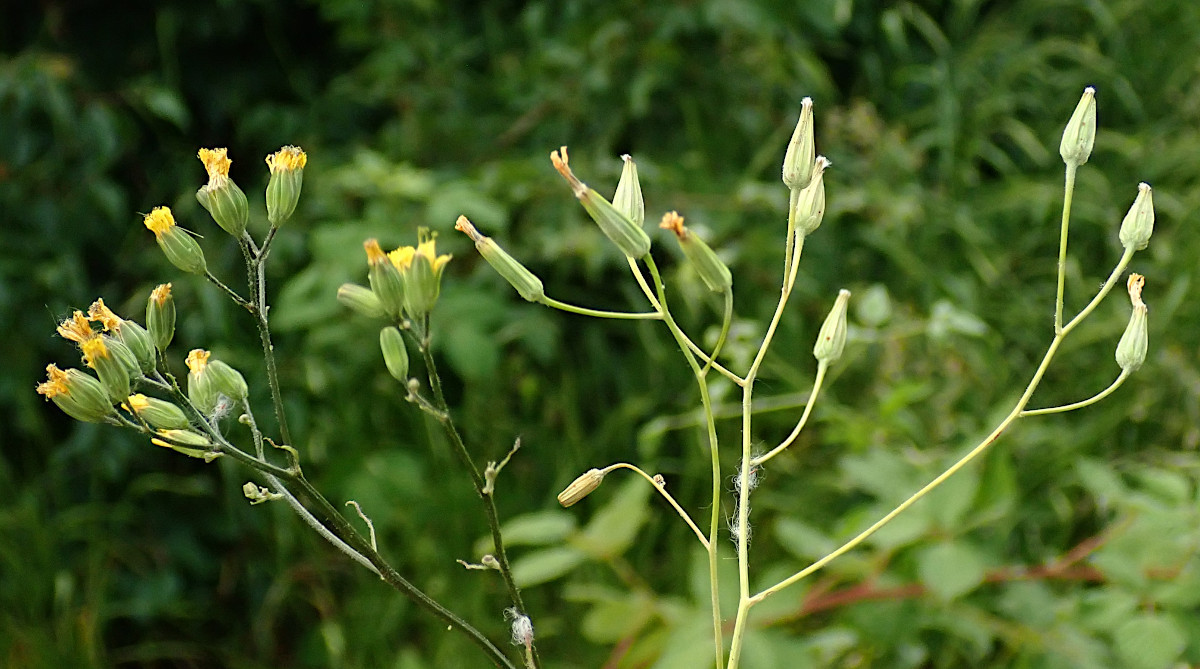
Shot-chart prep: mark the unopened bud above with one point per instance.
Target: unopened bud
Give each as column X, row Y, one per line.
column 808, row 205
column 361, row 300
column 581, row 487
column 160, row 316
column 618, row 227
column 395, row 354
column 160, row 414
column 177, row 245
column 111, row 370
column 527, row 284
column 384, row 278
column 628, row 198
column 798, row 161
column 1080, row 133
column 1131, row 350
column 200, row 388
column 712, row 271
column 287, row 176
column 832, row 337
column 124, row 355
column 188, row 442
column 227, row 381
column 79, row 395
column 1139, row 222
column 221, row 196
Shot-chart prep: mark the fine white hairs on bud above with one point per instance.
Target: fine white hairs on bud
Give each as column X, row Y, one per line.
column 522, row 627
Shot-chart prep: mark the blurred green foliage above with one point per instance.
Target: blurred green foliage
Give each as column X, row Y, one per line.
column 1073, row 544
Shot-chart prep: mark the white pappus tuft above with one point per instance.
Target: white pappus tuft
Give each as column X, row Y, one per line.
column 522, row 627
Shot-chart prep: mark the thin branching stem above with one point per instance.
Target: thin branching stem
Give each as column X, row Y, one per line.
column 662, row 490
column 584, row 311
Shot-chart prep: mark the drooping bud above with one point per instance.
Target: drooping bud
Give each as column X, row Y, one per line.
column 527, row 284
column 628, row 198
column 1139, row 222
column 798, row 161
column 809, row 203
column 160, row 316
column 113, row 373
column 79, row 395
column 619, row 228
column 712, row 271
column 1080, row 134
column 395, row 355
column 1131, row 350
column 221, row 196
column 361, row 300
column 128, row 333
column 180, row 248
column 160, row 414
column 421, row 269
column 832, row 337
column 384, row 278
column 581, row 487
column 287, row 176
column 190, row 443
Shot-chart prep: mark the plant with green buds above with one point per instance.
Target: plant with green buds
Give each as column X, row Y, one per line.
column 221, row 196
column 160, row 316
column 287, row 176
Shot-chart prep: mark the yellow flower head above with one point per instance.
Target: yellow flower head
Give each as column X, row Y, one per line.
column 289, row 158
column 76, row 328
column 159, row 221
column 55, row 384
column 426, row 246
column 99, row 312
column 402, row 257
column 161, row 294
column 93, row 350
column 197, row 360
column 216, row 163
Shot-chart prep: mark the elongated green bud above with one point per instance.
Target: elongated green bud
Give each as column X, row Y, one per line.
column 160, row 316
column 809, row 202
column 361, row 300
column 1131, row 350
column 287, row 176
column 395, row 354
column 1080, row 134
column 79, row 395
column 628, row 198
column 124, row 355
column 160, row 414
column 177, row 245
column 619, row 228
column 112, row 371
column 526, row 283
column 190, row 443
column 227, row 381
column 581, row 487
column 131, row 337
column 712, row 271
column 200, row 388
column 832, row 338
column 798, row 161
column 221, row 196
column 385, row 279
column 1139, row 222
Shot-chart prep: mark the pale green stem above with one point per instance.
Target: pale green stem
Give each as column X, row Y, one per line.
column 584, row 311
column 1068, row 194
column 710, row 424
column 812, row 399
column 789, row 244
column 666, row 495
column 727, row 320
column 1079, row 405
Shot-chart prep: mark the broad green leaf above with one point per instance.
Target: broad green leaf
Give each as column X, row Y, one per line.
column 608, row 622
column 803, row 540
column 1149, row 641
column 532, row 529
column 950, row 569
column 545, row 565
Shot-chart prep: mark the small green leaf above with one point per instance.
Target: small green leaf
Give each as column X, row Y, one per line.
column 950, row 569
column 1149, row 641
column 546, row 565
column 538, row 528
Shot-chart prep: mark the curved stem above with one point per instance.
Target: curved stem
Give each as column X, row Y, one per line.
column 726, row 321
column 666, row 495
column 1068, row 194
column 812, row 399
column 584, row 311
column 1079, row 405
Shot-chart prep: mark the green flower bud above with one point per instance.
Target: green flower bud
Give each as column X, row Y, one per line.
column 619, row 228
column 160, row 414
column 526, row 283
column 287, row 176
column 1080, row 134
column 124, row 355
column 628, row 198
column 160, row 316
column 200, row 388
column 395, row 355
column 112, row 370
column 360, row 299
column 78, row 395
column 808, row 204
column 581, row 487
column 1139, row 222
column 180, row 248
column 832, row 338
column 712, row 271
column 131, row 337
column 227, row 380
column 221, row 196
column 1131, row 350
column 188, row 442
column 798, row 160
column 421, row 268
column 385, row 279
